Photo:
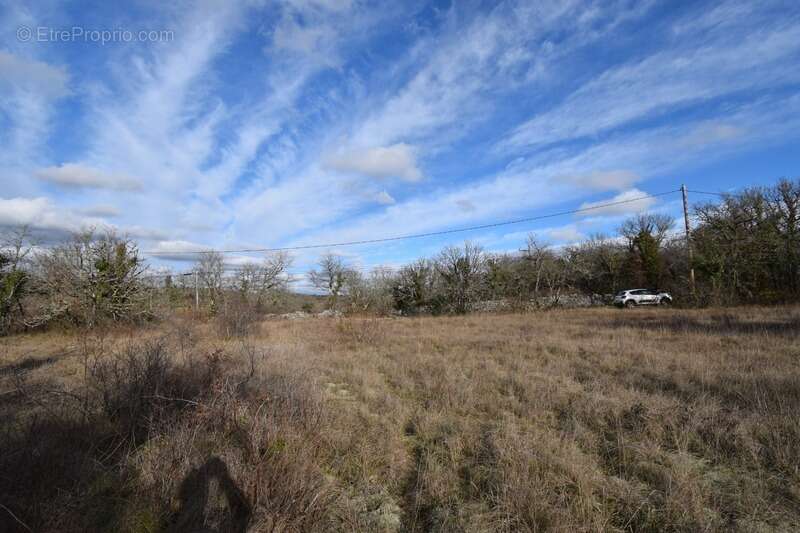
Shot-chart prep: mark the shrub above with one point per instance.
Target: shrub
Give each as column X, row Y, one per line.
column 92, row 279
column 14, row 280
column 236, row 317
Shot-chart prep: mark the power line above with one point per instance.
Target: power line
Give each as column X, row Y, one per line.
column 417, row 235
column 237, row 269
column 710, row 193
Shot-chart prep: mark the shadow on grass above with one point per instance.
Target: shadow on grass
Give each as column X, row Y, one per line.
column 63, row 451
column 50, row 464
column 716, row 324
column 26, row 365
column 195, row 515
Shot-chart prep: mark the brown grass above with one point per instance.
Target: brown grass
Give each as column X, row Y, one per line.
column 580, row 420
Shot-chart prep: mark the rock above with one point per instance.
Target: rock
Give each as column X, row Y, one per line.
column 297, row 315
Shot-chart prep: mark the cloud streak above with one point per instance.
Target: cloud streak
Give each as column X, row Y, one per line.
column 296, row 122
column 73, row 175
column 397, row 160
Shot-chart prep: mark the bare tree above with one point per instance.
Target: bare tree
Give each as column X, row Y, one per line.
column 654, row 224
column 784, row 205
column 597, row 265
column 330, row 277
column 210, row 269
column 257, row 280
column 461, row 270
column 548, row 270
column 358, row 290
column 246, row 278
column 747, row 248
column 369, row 293
column 537, row 254
column 381, row 280
column 91, row 278
column 16, row 244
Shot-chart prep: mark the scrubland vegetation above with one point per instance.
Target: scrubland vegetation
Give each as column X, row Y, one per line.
column 124, row 406
column 579, row 420
column 746, row 251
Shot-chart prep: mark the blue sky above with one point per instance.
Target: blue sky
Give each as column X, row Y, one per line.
column 268, row 124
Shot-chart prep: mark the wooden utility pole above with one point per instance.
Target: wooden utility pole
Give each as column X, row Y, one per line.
column 689, row 254
column 196, row 289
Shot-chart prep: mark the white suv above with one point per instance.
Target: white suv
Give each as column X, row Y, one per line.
column 634, row 297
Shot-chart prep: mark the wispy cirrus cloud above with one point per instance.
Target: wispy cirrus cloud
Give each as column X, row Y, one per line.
column 696, row 68
column 601, row 179
column 297, row 122
column 29, row 92
column 626, row 202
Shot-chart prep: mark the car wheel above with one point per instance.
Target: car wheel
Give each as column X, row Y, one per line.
column 665, row 302
column 630, row 304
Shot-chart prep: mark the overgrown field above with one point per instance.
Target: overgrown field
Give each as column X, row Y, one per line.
column 579, row 420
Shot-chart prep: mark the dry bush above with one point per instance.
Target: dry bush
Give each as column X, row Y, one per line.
column 149, row 440
column 143, row 386
column 72, row 448
column 265, row 433
column 360, row 330
column 236, row 317
column 93, row 279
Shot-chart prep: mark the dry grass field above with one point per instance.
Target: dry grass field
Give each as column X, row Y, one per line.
column 580, row 420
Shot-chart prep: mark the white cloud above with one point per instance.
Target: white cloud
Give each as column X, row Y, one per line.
column 189, row 252
column 526, row 188
column 42, row 214
column 465, row 205
column 32, row 75
column 168, row 117
column 397, row 160
column 384, row 198
column 630, row 201
column 102, row 210
column 312, row 30
column 79, row 176
column 29, row 91
column 479, row 57
column 176, row 250
column 568, row 234
column 712, row 132
column 145, row 233
column 601, row 180
column 698, row 68
column 223, row 159
column 308, row 40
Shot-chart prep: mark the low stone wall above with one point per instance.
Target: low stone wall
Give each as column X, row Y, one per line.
column 567, row 301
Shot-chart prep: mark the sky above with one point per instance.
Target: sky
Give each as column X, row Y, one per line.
column 257, row 124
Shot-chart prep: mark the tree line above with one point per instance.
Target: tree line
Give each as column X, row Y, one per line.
column 746, row 250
